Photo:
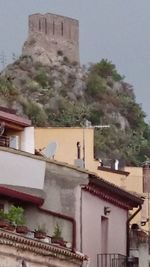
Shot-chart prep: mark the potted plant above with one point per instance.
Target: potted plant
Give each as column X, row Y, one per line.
column 57, row 236
column 3, row 219
column 40, row 232
column 16, row 217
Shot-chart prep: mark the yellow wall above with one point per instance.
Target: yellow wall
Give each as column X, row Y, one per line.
column 134, row 181
column 66, row 139
column 116, row 178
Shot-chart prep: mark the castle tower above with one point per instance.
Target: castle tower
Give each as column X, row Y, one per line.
column 53, row 34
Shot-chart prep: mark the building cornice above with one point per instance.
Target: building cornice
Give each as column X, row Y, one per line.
column 5, row 191
column 38, row 247
column 106, row 169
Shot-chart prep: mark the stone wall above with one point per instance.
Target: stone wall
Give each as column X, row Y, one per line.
column 54, row 33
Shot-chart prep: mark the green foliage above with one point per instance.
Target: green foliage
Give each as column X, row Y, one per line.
column 41, row 228
column 96, row 86
column 7, row 89
column 16, row 215
column 69, row 114
column 35, row 113
column 105, row 69
column 134, row 114
column 57, row 231
column 41, row 78
column 33, row 86
column 96, row 115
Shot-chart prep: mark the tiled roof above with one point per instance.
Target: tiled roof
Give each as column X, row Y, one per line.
column 14, row 118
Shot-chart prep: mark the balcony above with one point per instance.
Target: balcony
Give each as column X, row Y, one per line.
column 21, row 168
column 111, row 260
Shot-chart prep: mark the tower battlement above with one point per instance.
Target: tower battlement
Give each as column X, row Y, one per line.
column 55, row 33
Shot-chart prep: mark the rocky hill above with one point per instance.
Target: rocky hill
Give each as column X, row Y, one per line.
column 65, row 94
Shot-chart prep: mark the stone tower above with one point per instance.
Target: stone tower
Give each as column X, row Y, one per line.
column 51, row 35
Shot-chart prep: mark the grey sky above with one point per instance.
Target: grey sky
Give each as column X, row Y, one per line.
column 113, row 29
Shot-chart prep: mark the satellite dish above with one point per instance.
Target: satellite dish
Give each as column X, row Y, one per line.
column 50, row 150
column 2, row 128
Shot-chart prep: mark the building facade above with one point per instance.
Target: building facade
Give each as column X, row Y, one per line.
column 88, row 209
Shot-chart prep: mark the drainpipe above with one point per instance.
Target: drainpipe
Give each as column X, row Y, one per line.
column 128, row 223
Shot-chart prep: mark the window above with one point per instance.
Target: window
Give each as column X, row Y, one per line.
column 62, row 29
column 53, row 27
column 45, row 26
column 104, row 234
column 39, row 25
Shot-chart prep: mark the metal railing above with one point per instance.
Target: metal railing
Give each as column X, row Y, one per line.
column 4, row 141
column 111, row 260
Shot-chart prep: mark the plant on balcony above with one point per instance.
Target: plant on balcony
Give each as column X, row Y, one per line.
column 16, row 217
column 3, row 219
column 40, row 232
column 57, row 236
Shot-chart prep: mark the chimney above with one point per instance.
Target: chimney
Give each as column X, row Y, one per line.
column 78, row 150
column 116, row 165
column 79, row 162
column 146, row 177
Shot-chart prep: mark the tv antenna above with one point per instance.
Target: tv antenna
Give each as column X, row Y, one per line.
column 50, row 150
column 2, row 128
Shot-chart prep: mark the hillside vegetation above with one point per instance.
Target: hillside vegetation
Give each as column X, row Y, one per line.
column 65, row 94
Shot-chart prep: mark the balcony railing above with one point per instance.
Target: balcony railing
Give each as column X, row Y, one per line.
column 4, row 141
column 111, row 260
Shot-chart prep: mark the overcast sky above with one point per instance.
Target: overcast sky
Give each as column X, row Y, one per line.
column 118, row 30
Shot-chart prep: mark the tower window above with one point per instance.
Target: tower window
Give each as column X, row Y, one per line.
column 53, row 27
column 62, row 29
column 45, row 26
column 39, row 25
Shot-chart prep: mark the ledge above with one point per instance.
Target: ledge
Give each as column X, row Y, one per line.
column 42, row 248
column 106, row 169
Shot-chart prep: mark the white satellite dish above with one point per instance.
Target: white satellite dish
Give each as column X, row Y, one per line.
column 50, row 150
column 2, row 128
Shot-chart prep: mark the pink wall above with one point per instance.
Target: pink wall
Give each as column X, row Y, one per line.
column 92, row 212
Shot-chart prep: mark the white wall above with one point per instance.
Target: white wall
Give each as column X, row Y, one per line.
column 27, row 140
column 21, row 170
column 92, row 210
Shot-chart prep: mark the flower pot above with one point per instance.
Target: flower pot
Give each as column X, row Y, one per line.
column 11, row 227
column 4, row 223
column 21, row 229
column 39, row 234
column 59, row 241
